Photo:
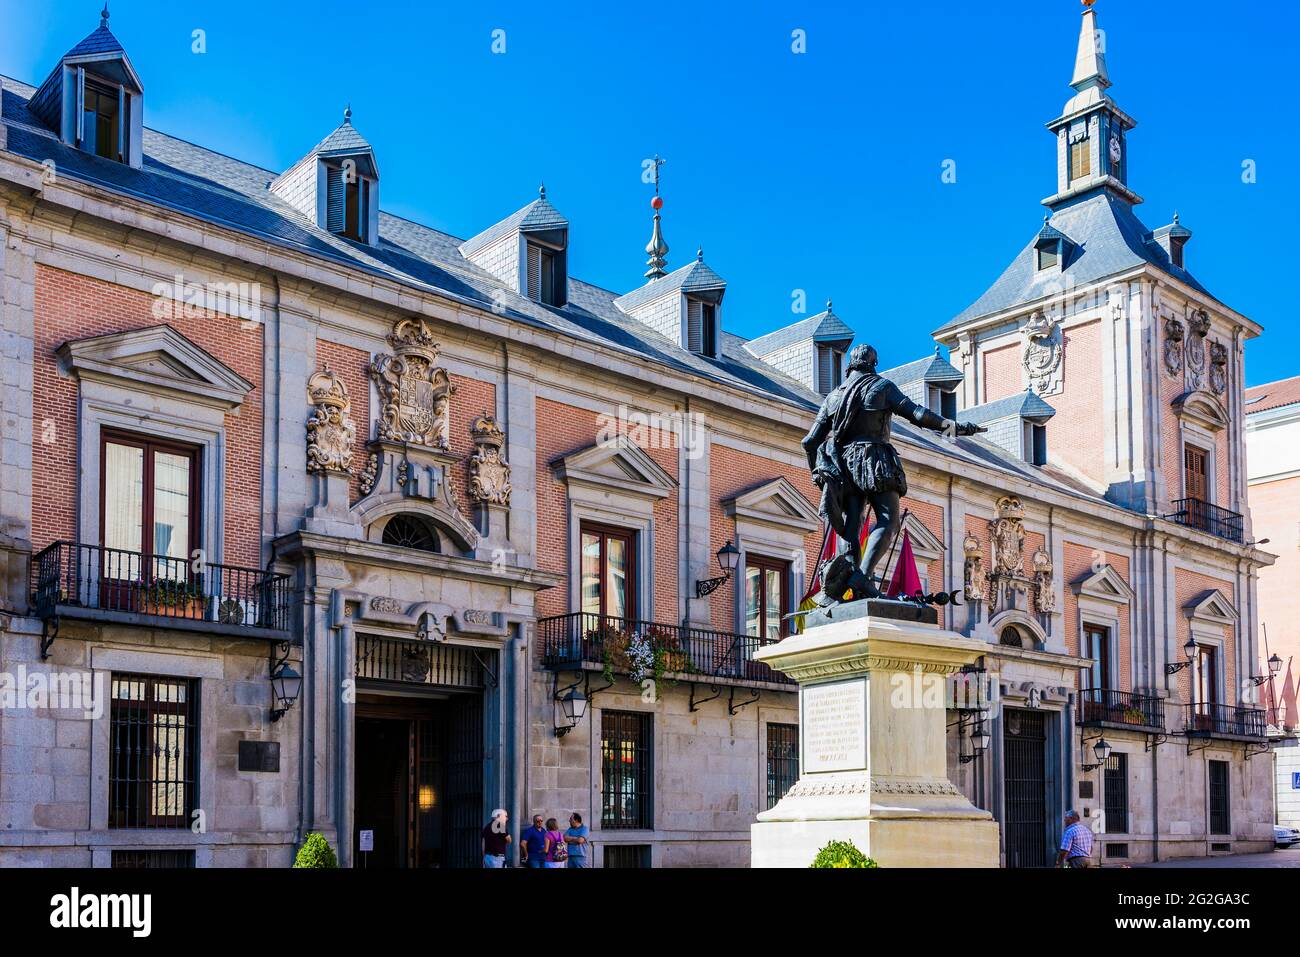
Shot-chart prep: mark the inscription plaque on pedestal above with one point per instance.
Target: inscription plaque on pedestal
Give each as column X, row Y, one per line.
column 833, row 717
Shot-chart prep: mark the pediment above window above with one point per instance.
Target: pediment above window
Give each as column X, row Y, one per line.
column 1212, row 606
column 620, row 467
column 1105, row 584
column 776, row 503
column 156, row 359
column 1201, row 408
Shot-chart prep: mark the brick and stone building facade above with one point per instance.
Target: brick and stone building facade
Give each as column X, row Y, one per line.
column 479, row 506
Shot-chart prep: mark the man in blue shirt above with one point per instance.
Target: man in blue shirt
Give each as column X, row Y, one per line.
column 1076, row 843
column 576, row 838
column 532, row 844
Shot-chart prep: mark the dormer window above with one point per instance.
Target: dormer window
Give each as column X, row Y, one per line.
column 348, row 197
column 102, row 128
column 1049, row 256
column 1176, row 245
column 544, row 275
column 942, row 401
column 1035, row 443
column 701, row 327
column 830, row 369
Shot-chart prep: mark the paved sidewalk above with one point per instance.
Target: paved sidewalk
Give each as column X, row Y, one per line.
column 1287, row 858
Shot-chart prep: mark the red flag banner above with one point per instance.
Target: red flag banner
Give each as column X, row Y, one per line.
column 906, row 580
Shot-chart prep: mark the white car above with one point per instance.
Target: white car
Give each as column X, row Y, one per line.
column 1285, row 836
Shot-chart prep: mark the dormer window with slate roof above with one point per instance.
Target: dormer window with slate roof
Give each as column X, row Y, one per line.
column 811, row 351
column 527, row 251
column 930, row 382
column 1052, row 247
column 684, row 306
column 336, row 185
column 701, row 326
column 94, row 99
column 1017, row 423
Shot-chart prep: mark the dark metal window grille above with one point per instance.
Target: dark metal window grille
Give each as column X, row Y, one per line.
column 1025, row 751
column 151, row 858
column 627, row 855
column 153, row 766
column 1220, row 815
column 1116, row 773
column 782, row 760
column 430, row 663
column 408, row 531
column 1117, row 850
column 625, row 772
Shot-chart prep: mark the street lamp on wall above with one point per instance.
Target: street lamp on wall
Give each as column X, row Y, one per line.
column 286, row 684
column 728, row 561
column 1101, row 751
column 570, row 709
column 1274, row 666
column 979, row 737
column 1189, row 650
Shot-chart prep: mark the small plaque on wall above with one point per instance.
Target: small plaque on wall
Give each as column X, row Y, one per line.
column 1085, row 789
column 259, row 755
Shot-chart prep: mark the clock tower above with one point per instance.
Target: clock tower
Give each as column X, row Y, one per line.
column 1092, row 132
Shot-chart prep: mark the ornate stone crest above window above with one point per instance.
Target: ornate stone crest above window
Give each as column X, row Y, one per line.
column 527, row 251
column 410, row 467
column 684, row 306
column 1201, row 409
column 813, row 351
column 94, row 99
column 1043, row 355
column 489, row 473
column 336, row 185
column 330, row 431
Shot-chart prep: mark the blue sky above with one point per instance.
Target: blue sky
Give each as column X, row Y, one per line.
column 818, row 171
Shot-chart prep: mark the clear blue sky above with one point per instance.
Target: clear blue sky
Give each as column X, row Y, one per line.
column 818, row 171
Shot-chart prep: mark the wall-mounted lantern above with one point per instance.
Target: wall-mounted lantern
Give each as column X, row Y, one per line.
column 286, row 683
column 1189, row 650
column 570, row 709
column 1101, row 751
column 728, row 561
column 979, row 736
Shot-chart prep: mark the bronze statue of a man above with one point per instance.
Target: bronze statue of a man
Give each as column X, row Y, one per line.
column 855, row 466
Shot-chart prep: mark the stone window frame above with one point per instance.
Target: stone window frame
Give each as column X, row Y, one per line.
column 207, row 670
column 191, row 393
column 772, row 532
column 1104, row 599
column 1214, row 628
column 623, row 496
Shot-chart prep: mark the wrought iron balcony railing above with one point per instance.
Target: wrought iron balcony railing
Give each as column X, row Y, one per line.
column 70, row 579
column 1101, row 706
column 1204, row 517
column 580, row 640
column 1225, row 721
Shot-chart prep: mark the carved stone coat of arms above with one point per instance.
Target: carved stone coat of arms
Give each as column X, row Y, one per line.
column 413, row 390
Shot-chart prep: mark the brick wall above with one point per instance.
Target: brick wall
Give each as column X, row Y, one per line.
column 731, row 472
column 1001, row 375
column 472, row 398
column 1276, row 516
column 69, row 307
column 352, row 366
column 1076, row 435
column 562, row 429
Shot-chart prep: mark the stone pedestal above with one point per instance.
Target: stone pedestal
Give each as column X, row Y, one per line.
column 872, row 746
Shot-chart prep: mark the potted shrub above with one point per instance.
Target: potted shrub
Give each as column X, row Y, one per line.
column 174, row 597
column 1133, row 715
column 842, row 854
column 316, row 852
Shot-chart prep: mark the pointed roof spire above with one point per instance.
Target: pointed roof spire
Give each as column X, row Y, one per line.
column 347, row 114
column 541, row 191
column 656, row 249
column 1090, row 61
column 699, row 254
column 103, row 15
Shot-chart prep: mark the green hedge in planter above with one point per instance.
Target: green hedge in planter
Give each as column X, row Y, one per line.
column 315, row 852
column 842, row 854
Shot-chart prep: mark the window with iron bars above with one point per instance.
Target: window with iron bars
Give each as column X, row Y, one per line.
column 1116, row 783
column 626, row 742
column 153, row 760
column 782, row 760
column 152, row 858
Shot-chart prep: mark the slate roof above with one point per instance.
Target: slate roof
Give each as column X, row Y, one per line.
column 1026, row 405
column 825, row 326
column 539, row 214
column 693, row 277
column 101, row 40
column 198, row 182
column 345, row 139
column 933, row 368
column 1108, row 239
column 1273, row 395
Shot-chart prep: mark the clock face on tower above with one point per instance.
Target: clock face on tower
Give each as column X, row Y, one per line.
column 1116, row 150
